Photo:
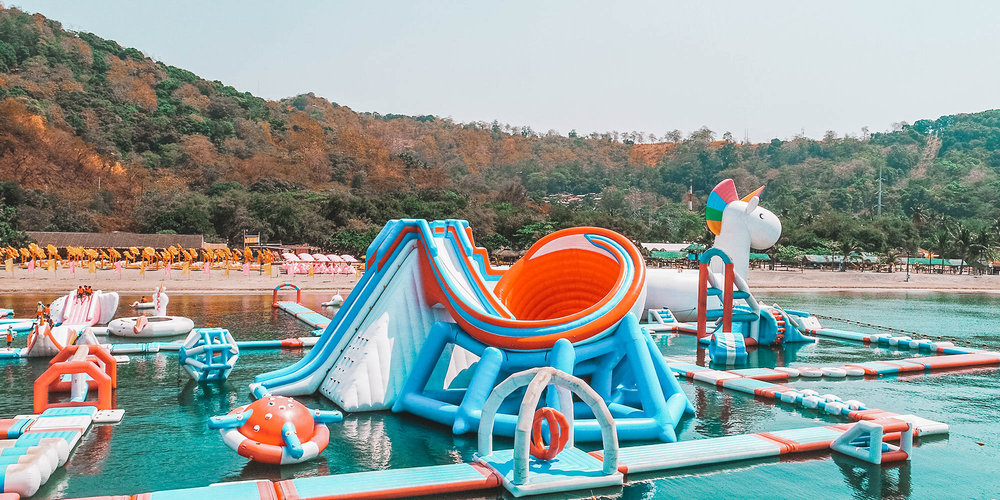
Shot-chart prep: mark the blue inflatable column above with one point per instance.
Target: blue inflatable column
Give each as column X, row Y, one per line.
column 601, row 379
column 410, row 398
column 480, row 386
column 650, row 393
column 563, row 358
column 677, row 402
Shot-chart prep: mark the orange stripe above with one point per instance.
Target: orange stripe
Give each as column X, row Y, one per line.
column 490, row 297
column 392, row 248
column 286, row 490
column 787, row 445
column 576, row 334
column 265, row 489
column 482, row 253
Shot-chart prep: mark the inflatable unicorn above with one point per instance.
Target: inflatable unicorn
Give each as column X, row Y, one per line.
column 738, row 225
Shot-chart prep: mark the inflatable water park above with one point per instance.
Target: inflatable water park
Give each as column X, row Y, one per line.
column 577, row 371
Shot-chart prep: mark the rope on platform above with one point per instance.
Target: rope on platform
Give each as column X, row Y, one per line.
column 900, row 330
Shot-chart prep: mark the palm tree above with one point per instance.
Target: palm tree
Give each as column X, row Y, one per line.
column 986, row 246
column 846, row 248
column 890, row 257
column 964, row 243
column 919, row 216
column 941, row 243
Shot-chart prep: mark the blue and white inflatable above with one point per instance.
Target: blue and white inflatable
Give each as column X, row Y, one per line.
column 727, row 348
column 209, row 354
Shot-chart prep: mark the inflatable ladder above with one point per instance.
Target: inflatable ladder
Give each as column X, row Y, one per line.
column 780, row 319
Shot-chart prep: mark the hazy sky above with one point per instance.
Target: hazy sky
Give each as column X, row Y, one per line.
column 773, row 68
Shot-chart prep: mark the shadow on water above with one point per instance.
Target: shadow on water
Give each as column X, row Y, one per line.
column 875, row 481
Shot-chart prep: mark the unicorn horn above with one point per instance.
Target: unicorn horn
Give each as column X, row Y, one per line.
column 750, row 196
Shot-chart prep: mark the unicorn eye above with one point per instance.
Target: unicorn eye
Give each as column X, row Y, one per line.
column 761, row 215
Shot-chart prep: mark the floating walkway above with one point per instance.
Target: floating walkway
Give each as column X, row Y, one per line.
column 32, row 447
column 312, row 318
column 492, row 472
column 668, row 456
column 155, row 347
column 949, row 356
column 751, row 381
column 478, row 477
column 392, row 483
column 897, row 341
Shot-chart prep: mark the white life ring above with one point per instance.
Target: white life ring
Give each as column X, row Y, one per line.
column 792, row 372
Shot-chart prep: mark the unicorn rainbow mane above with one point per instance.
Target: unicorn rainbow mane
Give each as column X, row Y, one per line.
column 723, row 194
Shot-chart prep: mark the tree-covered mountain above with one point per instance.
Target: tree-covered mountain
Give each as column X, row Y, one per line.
column 94, row 136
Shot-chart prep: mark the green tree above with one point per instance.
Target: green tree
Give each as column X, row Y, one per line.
column 942, row 245
column 9, row 233
column 963, row 241
column 847, row 249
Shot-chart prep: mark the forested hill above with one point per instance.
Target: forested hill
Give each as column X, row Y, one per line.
column 94, row 136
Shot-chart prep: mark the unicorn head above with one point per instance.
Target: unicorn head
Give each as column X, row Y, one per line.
column 739, row 224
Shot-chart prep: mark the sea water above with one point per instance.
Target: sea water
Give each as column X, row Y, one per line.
column 163, row 442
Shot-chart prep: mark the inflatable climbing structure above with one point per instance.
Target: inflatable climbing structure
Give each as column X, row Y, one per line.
column 432, row 327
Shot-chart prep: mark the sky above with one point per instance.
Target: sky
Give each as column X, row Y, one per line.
column 755, row 69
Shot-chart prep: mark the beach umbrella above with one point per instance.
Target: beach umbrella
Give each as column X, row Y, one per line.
column 36, row 251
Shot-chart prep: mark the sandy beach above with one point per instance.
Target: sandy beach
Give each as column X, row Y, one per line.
column 235, row 282
column 131, row 281
column 813, row 280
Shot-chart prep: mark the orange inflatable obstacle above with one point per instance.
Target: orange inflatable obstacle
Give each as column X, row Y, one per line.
column 77, row 369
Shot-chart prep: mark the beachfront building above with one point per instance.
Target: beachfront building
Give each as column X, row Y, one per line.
column 676, row 253
column 118, row 240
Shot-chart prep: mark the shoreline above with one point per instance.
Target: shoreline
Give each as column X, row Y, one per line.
column 132, row 282
column 859, row 289
column 814, row 281
column 218, row 283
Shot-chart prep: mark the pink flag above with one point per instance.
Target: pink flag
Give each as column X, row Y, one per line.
column 118, row 267
column 166, row 270
column 31, row 266
column 246, row 269
column 207, row 268
column 72, row 267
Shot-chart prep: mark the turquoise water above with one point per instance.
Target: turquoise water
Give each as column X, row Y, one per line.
column 163, row 442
